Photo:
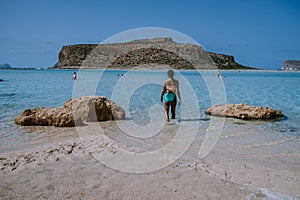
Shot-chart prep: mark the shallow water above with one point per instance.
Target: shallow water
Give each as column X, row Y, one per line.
column 24, row 89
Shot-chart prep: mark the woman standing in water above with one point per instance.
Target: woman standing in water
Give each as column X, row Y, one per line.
column 169, row 95
column 74, row 76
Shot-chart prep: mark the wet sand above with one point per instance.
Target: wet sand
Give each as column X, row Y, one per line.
column 237, row 168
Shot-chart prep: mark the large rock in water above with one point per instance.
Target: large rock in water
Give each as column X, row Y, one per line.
column 60, row 117
column 243, row 111
column 73, row 113
column 95, row 109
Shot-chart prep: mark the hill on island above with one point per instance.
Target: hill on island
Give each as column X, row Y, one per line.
column 5, row 66
column 156, row 53
column 291, row 65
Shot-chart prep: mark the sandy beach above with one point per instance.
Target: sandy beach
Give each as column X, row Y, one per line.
column 65, row 168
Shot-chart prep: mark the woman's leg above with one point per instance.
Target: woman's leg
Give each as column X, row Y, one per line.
column 173, row 109
column 166, row 107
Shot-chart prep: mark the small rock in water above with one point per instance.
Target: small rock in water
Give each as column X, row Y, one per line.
column 239, row 122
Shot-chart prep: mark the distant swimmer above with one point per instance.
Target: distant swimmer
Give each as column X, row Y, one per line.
column 220, row 75
column 1, row 80
column 169, row 95
column 74, row 76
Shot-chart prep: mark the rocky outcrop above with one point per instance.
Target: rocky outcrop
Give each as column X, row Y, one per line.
column 145, row 56
column 160, row 51
column 226, row 61
column 73, row 55
column 93, row 109
column 243, row 111
column 73, row 113
column 59, row 117
column 291, row 65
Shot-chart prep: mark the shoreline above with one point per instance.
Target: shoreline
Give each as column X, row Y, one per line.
column 151, row 70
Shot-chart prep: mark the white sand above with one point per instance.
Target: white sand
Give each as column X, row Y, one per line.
column 66, row 170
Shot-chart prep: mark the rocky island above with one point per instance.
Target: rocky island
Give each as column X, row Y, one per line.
column 153, row 53
column 291, row 65
column 5, row 66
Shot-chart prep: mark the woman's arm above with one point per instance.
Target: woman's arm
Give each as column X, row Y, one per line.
column 178, row 92
column 163, row 92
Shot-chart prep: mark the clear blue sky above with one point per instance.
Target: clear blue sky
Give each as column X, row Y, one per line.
column 259, row 33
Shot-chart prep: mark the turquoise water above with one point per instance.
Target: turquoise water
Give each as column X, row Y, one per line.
column 22, row 89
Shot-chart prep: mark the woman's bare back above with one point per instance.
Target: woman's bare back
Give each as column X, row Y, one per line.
column 172, row 85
